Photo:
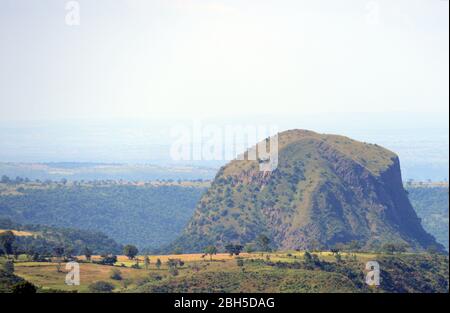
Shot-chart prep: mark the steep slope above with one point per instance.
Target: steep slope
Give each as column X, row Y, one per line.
column 327, row 189
column 431, row 205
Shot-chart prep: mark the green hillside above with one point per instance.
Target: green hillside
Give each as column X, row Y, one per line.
column 326, row 190
column 43, row 240
column 147, row 216
column 279, row 273
column 431, row 205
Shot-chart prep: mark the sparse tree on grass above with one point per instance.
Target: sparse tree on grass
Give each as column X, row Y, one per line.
column 87, row 253
column 310, row 260
column 7, row 239
column 59, row 252
column 130, row 251
column 234, row 249
column 146, row 262
column 158, row 263
column 108, row 260
column 211, row 250
column 335, row 250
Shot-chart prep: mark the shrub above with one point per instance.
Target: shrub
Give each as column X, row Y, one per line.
column 108, row 260
column 101, row 287
column 116, row 274
column 142, row 281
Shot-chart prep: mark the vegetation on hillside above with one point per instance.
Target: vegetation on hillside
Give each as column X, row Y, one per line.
column 326, row 190
column 307, row 272
column 42, row 241
column 8, row 281
column 289, row 271
column 432, row 206
column 147, row 216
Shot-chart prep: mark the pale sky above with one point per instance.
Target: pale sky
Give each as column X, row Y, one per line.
column 190, row 58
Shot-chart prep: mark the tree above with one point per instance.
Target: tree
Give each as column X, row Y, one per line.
column 109, row 260
column 146, row 262
column 263, row 242
column 69, row 252
column 130, row 251
column 234, row 249
column 158, row 263
column 7, row 239
column 310, row 260
column 87, row 253
column 59, row 252
column 335, row 250
column 211, row 250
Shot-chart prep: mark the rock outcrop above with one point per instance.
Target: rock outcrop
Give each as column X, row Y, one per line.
column 326, row 190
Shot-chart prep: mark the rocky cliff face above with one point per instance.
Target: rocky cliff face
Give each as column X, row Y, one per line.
column 326, row 190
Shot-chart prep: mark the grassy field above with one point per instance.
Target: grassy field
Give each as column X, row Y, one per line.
column 288, row 256
column 45, row 275
column 199, row 273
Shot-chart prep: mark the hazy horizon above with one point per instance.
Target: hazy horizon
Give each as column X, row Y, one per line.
column 111, row 87
column 420, row 140
column 196, row 58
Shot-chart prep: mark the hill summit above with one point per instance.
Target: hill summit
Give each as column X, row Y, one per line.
column 326, row 190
